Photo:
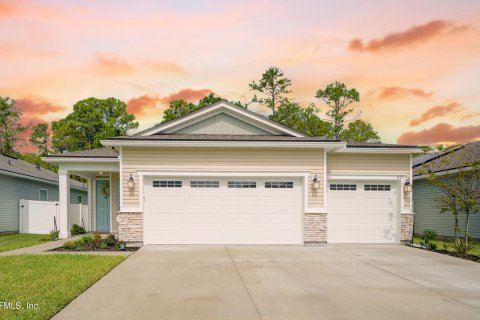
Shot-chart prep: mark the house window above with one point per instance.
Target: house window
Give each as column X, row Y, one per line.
column 79, row 199
column 343, row 187
column 43, row 195
column 167, row 184
column 377, row 187
column 242, row 184
column 204, row 184
column 279, row 184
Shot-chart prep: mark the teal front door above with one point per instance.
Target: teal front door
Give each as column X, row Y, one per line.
column 103, row 205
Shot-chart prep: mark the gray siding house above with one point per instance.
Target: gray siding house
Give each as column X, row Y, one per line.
column 23, row 180
column 427, row 214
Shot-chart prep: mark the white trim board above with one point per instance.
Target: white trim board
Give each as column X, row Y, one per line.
column 395, row 150
column 221, row 106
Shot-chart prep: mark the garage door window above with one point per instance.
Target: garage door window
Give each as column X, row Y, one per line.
column 343, row 187
column 242, row 184
column 204, row 184
column 377, row 187
column 279, row 184
column 167, row 184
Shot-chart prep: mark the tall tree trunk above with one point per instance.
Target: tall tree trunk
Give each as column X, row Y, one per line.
column 456, row 225
column 467, row 221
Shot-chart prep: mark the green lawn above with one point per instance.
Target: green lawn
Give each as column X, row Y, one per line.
column 20, row 240
column 51, row 281
column 475, row 251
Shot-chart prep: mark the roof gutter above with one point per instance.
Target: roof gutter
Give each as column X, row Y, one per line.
column 222, row 144
column 53, row 159
column 442, row 172
column 394, row 150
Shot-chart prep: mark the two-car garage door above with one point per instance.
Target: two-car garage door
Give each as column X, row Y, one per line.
column 226, row 210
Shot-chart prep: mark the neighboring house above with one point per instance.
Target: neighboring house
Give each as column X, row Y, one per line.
column 427, row 214
column 226, row 175
column 22, row 180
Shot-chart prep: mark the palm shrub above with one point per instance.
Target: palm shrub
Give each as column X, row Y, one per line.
column 429, row 236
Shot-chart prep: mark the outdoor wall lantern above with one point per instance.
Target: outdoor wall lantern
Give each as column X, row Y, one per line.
column 315, row 183
column 407, row 187
column 131, row 182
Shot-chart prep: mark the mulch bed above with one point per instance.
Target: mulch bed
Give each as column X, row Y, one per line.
column 111, row 249
column 453, row 254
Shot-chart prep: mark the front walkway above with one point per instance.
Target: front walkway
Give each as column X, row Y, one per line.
column 44, row 247
column 260, row 282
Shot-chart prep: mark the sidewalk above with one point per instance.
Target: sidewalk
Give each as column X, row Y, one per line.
column 44, row 247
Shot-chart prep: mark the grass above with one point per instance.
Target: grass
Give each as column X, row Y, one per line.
column 21, row 240
column 475, row 251
column 51, row 281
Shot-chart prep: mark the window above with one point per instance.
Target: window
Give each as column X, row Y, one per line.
column 343, row 187
column 167, row 184
column 279, row 184
column 79, row 199
column 43, row 195
column 204, row 184
column 242, row 184
column 377, row 187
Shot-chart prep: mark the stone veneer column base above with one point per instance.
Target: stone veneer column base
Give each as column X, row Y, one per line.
column 406, row 232
column 130, row 226
column 315, row 228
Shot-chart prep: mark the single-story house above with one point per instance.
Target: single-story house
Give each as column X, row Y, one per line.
column 226, row 175
column 427, row 214
column 22, row 180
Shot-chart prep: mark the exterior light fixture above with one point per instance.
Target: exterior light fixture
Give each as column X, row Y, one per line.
column 315, row 183
column 407, row 187
column 131, row 182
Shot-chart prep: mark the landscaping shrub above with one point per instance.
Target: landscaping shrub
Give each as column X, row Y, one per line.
column 460, row 246
column 69, row 245
column 97, row 237
column 429, row 236
column 111, row 240
column 76, row 229
column 54, row 234
column 79, row 244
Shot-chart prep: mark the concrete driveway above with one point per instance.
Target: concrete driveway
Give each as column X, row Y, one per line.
column 328, row 282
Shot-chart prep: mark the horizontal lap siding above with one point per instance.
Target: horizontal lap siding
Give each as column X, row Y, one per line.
column 428, row 216
column 198, row 159
column 374, row 164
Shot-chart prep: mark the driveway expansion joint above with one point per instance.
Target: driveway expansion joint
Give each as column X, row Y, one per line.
column 244, row 284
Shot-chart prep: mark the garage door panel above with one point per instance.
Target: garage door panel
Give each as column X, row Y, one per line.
column 223, row 215
column 360, row 215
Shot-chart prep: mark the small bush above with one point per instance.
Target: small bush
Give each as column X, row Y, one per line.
column 54, row 234
column 87, row 239
column 460, row 246
column 79, row 244
column 69, row 245
column 76, row 229
column 111, row 236
column 429, row 236
column 103, row 245
column 97, row 237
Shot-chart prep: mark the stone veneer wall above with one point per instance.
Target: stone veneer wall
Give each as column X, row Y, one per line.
column 406, row 227
column 130, row 226
column 315, row 228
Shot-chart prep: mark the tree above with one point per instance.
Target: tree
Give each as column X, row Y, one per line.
column 338, row 97
column 301, row 119
column 274, row 86
column 10, row 125
column 40, row 138
column 92, row 120
column 360, row 131
column 460, row 187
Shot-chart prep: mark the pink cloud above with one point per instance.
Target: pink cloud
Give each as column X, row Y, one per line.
column 441, row 133
column 436, row 112
column 190, row 95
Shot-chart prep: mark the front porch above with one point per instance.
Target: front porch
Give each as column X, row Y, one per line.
column 101, row 172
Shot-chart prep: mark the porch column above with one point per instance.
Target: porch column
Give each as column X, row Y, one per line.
column 64, row 201
column 89, row 204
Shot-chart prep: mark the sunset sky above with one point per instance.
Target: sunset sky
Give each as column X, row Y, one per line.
column 416, row 64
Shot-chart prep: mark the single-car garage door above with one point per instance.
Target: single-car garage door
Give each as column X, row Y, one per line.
column 362, row 212
column 227, row 210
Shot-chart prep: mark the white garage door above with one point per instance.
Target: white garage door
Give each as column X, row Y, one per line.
column 362, row 212
column 212, row 210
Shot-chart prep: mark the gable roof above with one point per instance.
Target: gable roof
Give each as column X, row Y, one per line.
column 12, row 165
column 248, row 116
column 455, row 158
column 92, row 153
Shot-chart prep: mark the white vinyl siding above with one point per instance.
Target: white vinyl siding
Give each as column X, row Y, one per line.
column 368, row 164
column 241, row 159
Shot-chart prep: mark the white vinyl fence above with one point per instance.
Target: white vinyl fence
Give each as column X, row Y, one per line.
column 40, row 216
